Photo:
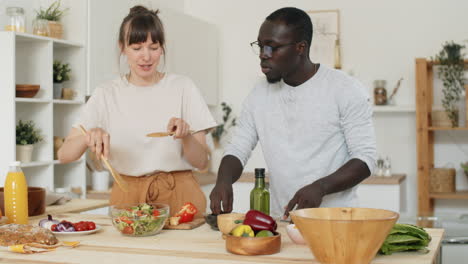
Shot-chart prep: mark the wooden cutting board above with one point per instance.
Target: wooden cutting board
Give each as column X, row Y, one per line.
column 187, row 226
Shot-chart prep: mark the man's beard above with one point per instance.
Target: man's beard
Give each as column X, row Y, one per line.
column 273, row 80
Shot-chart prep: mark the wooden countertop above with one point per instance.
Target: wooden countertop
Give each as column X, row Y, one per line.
column 210, row 178
column 73, row 206
column 201, row 245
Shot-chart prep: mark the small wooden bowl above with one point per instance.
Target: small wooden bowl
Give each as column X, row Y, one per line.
column 27, row 90
column 36, row 201
column 226, row 222
column 252, row 246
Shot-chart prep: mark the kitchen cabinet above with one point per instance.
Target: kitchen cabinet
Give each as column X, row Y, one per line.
column 425, row 134
column 192, row 45
column 200, row 245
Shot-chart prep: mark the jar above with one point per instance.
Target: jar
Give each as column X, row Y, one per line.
column 380, row 93
column 41, row 27
column 16, row 20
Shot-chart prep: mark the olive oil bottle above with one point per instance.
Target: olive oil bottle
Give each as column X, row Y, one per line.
column 260, row 196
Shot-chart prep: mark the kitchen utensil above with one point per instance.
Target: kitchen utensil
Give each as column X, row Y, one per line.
column 139, row 220
column 164, row 134
column 121, row 182
column 36, row 201
column 253, row 245
column 78, row 233
column 27, row 90
column 187, row 226
column 344, row 235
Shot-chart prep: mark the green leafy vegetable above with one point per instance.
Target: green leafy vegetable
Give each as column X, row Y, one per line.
column 404, row 237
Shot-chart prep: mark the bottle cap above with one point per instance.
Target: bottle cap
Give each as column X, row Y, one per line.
column 259, row 173
column 15, row 163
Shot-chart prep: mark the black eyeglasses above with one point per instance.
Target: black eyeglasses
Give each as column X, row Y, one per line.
column 267, row 49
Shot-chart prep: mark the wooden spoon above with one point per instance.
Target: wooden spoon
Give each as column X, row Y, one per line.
column 121, row 182
column 164, row 134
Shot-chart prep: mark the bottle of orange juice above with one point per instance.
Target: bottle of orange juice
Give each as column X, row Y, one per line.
column 16, row 195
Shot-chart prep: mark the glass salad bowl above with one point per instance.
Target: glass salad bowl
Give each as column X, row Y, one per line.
column 145, row 219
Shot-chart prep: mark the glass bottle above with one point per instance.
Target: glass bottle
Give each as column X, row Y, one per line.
column 16, row 20
column 16, row 195
column 260, row 196
column 41, row 27
column 380, row 93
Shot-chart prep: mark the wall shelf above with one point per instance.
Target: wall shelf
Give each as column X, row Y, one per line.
column 28, row 59
column 458, row 195
column 425, row 137
column 35, row 164
column 60, row 101
column 394, row 109
column 32, row 100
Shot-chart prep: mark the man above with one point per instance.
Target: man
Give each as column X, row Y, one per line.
column 314, row 125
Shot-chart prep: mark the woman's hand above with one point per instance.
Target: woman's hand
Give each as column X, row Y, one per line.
column 180, row 128
column 98, row 140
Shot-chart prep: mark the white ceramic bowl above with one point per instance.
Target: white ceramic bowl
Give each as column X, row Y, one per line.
column 295, row 235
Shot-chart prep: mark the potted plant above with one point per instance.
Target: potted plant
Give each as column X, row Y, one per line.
column 451, row 74
column 61, row 74
column 26, row 136
column 228, row 121
column 52, row 14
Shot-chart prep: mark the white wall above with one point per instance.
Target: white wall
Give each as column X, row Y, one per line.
column 380, row 40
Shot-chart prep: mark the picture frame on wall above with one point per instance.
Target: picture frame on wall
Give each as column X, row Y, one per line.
column 325, row 46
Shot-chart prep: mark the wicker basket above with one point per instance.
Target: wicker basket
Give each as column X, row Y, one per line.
column 440, row 118
column 55, row 30
column 442, row 180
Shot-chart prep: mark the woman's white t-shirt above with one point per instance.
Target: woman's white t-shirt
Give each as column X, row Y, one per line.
column 129, row 112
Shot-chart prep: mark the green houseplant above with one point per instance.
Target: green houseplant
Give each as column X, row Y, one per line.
column 26, row 136
column 53, row 14
column 61, row 74
column 451, row 74
column 228, row 121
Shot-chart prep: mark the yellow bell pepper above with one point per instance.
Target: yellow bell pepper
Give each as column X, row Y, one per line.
column 243, row 231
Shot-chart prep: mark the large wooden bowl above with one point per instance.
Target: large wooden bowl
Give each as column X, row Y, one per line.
column 27, row 90
column 344, row 235
column 36, row 201
column 253, row 245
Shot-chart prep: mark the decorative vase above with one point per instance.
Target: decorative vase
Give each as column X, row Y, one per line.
column 58, row 90
column 55, row 29
column 24, row 153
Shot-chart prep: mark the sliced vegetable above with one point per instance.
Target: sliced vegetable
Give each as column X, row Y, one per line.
column 259, row 221
column 47, row 223
column 186, row 213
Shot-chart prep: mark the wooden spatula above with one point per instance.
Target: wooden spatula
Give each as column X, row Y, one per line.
column 121, row 182
column 164, row 134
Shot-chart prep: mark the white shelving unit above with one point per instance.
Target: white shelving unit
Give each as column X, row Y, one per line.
column 394, row 109
column 28, row 59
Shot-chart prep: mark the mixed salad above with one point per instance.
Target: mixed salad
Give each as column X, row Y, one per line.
column 140, row 220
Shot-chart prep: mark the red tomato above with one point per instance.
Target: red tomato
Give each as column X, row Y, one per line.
column 53, row 227
column 91, row 226
column 128, row 230
column 155, row 212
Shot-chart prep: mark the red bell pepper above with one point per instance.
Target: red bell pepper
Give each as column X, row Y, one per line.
column 186, row 213
column 259, row 221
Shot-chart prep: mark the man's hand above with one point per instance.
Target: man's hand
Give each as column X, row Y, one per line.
column 221, row 194
column 309, row 196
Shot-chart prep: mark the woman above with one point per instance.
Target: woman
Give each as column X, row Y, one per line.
column 121, row 112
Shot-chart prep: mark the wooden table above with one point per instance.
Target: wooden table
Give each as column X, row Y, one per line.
column 73, row 206
column 201, row 245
